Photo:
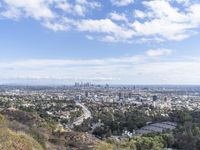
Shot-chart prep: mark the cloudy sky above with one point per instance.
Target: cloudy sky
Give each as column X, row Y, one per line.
column 101, row 41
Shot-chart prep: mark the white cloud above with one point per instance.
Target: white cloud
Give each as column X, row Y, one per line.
column 178, row 72
column 37, row 9
column 185, row 2
column 109, row 38
column 46, row 11
column 64, row 5
column 118, row 16
column 89, row 37
column 138, row 69
column 121, row 2
column 159, row 52
column 55, row 26
column 158, row 21
column 82, row 6
column 64, row 24
column 112, row 30
column 139, row 14
column 168, row 22
column 79, row 10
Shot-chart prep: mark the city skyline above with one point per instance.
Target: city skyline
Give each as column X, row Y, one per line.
column 114, row 41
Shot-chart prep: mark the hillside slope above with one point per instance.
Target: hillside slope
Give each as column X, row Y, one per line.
column 11, row 140
column 27, row 131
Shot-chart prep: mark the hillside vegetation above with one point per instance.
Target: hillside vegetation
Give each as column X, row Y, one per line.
column 21, row 130
column 11, row 140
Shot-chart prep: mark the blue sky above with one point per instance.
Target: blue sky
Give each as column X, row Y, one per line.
column 101, row 41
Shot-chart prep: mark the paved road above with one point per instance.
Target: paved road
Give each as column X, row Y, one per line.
column 86, row 114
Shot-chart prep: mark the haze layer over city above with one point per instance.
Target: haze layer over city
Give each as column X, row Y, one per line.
column 99, row 75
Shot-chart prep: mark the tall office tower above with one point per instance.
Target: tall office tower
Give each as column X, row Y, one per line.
column 121, row 96
column 129, row 95
column 155, row 98
column 87, row 94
